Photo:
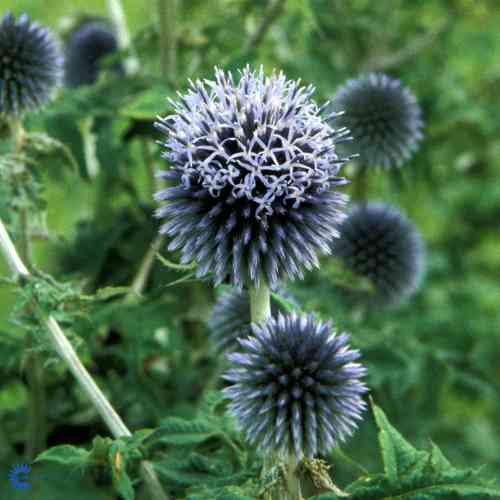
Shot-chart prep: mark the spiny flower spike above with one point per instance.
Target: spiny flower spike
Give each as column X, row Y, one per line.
column 384, row 118
column 254, row 178
column 30, row 65
column 296, row 386
column 86, row 48
column 378, row 242
column 230, row 319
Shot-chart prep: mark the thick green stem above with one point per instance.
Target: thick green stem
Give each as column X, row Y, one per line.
column 167, row 13
column 293, row 490
column 260, row 303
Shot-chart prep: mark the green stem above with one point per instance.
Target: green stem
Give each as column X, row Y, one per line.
column 117, row 15
column 89, row 146
column 339, row 453
column 36, row 434
column 260, row 303
column 151, row 480
column 274, row 10
column 167, row 13
column 360, row 188
column 36, row 440
column 293, row 490
column 141, row 278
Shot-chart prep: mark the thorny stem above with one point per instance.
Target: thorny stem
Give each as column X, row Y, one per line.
column 117, row 15
column 37, row 423
column 275, row 8
column 141, row 278
column 167, row 13
column 69, row 356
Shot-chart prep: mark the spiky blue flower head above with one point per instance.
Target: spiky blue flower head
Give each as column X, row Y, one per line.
column 30, row 65
column 296, row 386
column 378, row 242
column 384, row 118
column 230, row 319
column 253, row 179
column 87, row 46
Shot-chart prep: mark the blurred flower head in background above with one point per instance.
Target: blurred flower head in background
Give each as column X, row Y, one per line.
column 384, row 118
column 253, row 179
column 30, row 65
column 296, row 386
column 86, row 47
column 378, row 242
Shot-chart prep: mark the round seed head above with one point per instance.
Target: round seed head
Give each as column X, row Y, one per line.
column 384, row 118
column 30, row 65
column 230, row 319
column 378, row 242
column 87, row 46
column 253, row 179
column 295, row 386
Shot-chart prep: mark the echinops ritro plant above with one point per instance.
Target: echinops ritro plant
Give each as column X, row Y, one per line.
column 253, row 180
column 378, row 242
column 86, row 47
column 384, row 118
column 30, row 65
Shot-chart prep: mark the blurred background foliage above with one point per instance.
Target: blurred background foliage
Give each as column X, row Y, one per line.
column 433, row 362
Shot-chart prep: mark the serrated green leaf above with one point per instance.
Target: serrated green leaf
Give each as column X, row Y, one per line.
column 148, row 104
column 398, row 456
column 472, row 491
column 411, row 474
column 438, row 461
column 65, row 455
column 179, row 432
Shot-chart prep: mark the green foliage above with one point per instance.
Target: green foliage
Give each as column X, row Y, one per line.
column 413, row 474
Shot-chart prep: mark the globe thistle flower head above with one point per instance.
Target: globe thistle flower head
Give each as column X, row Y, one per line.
column 86, row 48
column 295, row 386
column 30, row 65
column 253, row 179
column 378, row 242
column 384, row 118
column 230, row 319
